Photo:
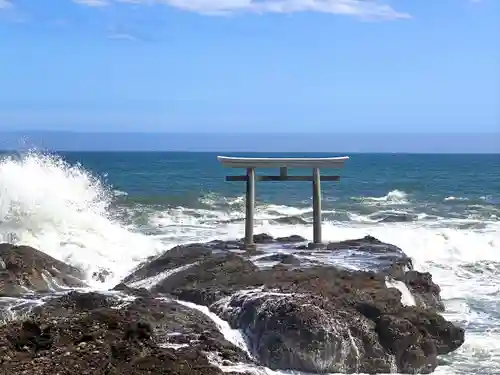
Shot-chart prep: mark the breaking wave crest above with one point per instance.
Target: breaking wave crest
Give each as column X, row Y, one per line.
column 62, row 210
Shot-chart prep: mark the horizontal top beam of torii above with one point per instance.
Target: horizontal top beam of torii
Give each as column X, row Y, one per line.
column 246, row 162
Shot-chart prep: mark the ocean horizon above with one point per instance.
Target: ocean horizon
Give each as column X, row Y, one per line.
column 421, row 143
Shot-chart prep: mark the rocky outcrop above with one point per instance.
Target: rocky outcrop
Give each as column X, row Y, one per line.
column 305, row 333
column 350, row 317
column 24, row 269
column 90, row 333
column 318, row 318
column 424, row 290
column 316, row 310
column 374, row 254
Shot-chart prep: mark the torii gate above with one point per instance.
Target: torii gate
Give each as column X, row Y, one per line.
column 283, row 164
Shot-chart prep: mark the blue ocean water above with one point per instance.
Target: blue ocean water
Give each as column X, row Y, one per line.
column 112, row 210
column 458, row 186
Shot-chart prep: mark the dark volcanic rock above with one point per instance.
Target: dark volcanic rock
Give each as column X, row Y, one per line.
column 102, row 275
column 220, row 275
column 24, row 269
column 424, row 290
column 298, row 315
column 306, row 333
column 290, row 220
column 262, row 238
column 321, row 317
column 416, row 337
column 224, row 274
column 383, row 256
column 95, row 334
column 172, row 259
column 282, row 258
column 291, row 239
column 140, row 292
column 259, row 239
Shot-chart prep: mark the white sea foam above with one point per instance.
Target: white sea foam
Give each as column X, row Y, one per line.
column 394, row 197
column 62, row 210
column 234, row 336
column 407, row 298
column 452, row 198
column 150, row 282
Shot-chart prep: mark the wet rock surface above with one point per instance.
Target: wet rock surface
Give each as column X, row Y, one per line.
column 281, row 258
column 425, row 291
column 305, row 333
column 90, row 333
column 24, row 269
column 314, row 310
column 320, row 317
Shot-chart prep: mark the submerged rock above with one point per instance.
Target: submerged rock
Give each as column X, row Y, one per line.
column 102, row 275
column 282, row 258
column 27, row 270
column 294, row 238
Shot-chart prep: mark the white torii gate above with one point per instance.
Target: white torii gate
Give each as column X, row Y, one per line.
column 250, row 164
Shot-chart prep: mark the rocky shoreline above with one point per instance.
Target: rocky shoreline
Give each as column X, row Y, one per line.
column 215, row 308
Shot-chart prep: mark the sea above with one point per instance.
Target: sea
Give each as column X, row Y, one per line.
column 112, row 210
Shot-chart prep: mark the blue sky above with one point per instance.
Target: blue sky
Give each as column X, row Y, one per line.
column 250, row 66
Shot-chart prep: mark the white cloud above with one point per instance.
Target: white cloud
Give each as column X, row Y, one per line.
column 375, row 9
column 5, row 4
column 123, row 36
column 92, row 3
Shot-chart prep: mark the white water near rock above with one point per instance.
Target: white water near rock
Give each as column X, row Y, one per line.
column 407, row 298
column 173, row 346
column 254, row 370
column 150, row 282
column 16, row 308
column 64, row 212
column 392, row 197
column 234, row 336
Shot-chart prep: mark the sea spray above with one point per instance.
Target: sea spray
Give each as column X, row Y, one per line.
column 63, row 210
